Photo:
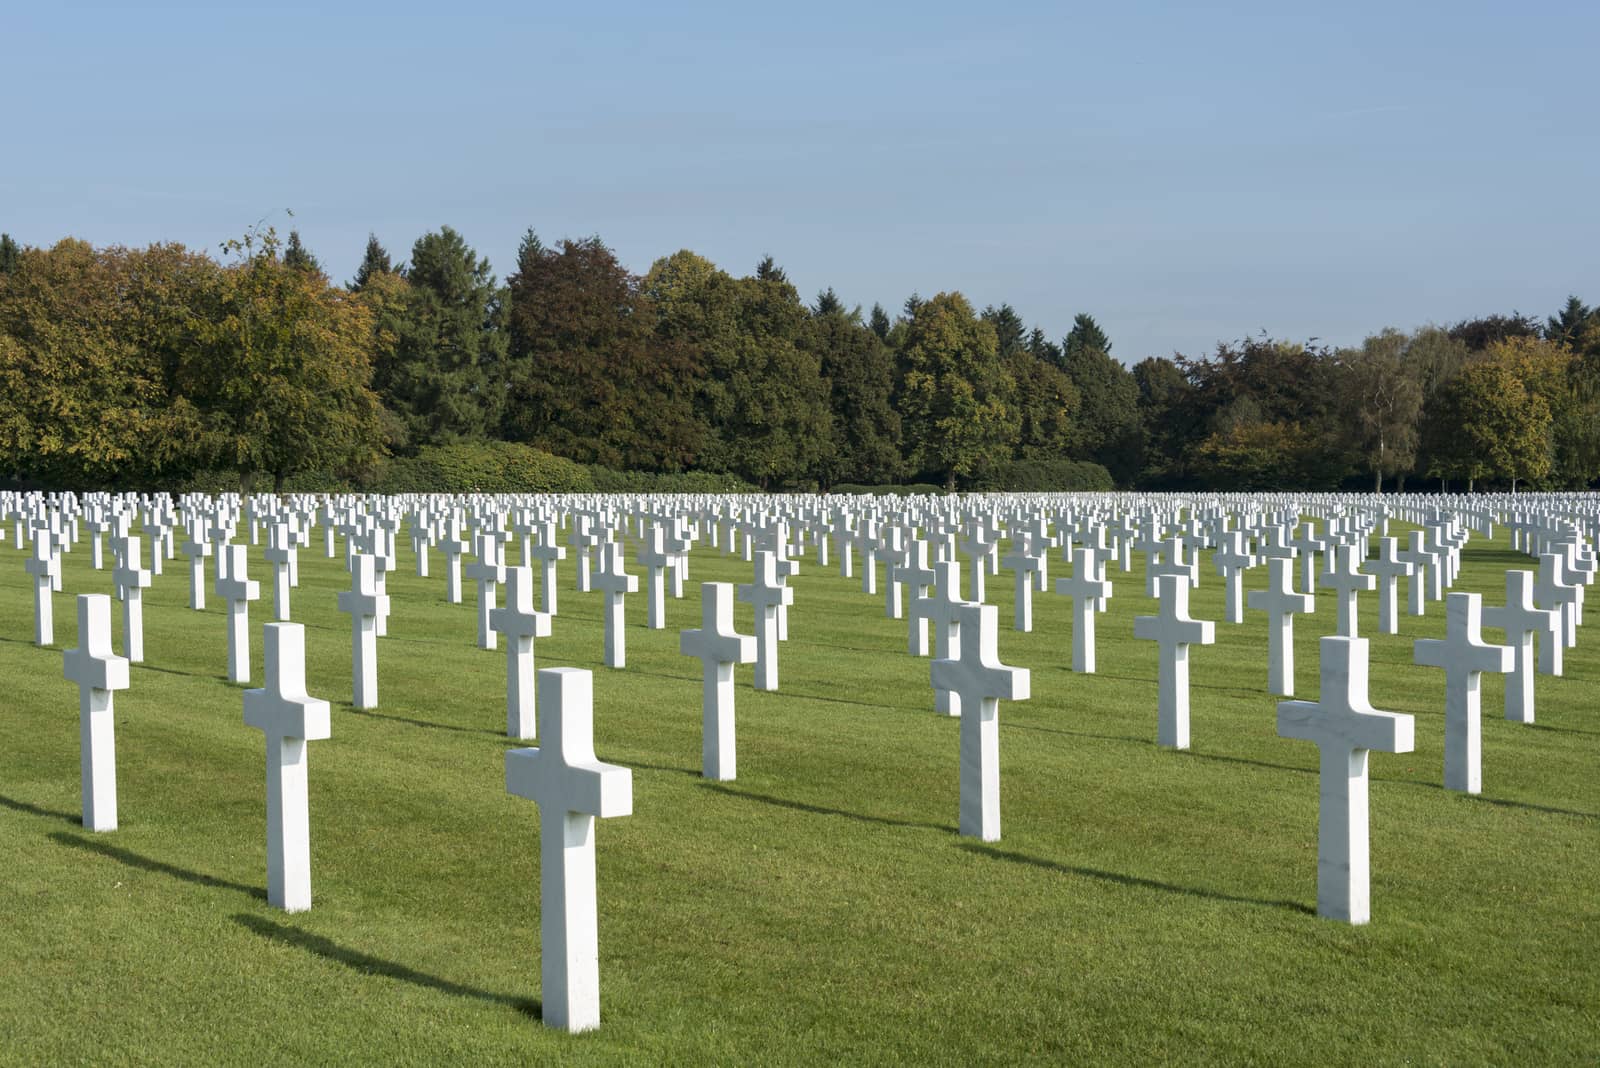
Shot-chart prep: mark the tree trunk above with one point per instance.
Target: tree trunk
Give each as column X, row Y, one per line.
column 1377, row 480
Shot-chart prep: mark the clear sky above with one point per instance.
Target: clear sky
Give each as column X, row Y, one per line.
column 1184, row 172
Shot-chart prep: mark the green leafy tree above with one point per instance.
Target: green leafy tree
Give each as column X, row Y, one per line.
column 1168, row 422
column 1490, row 424
column 445, row 380
column 952, row 390
column 374, row 261
column 1478, row 334
column 859, row 370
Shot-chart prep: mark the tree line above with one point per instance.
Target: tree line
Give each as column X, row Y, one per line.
column 141, row 367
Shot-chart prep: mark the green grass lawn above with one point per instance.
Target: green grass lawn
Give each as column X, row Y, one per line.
column 1143, row 905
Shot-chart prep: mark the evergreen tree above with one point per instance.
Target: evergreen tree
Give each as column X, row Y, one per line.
column 879, row 322
column 374, row 261
column 1085, row 336
column 1009, row 333
column 768, row 271
column 828, row 303
column 296, row 257
column 1043, row 348
column 1567, row 327
column 859, row 371
column 445, row 378
column 10, row 254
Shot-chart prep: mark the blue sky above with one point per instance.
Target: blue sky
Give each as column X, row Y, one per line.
column 1185, row 174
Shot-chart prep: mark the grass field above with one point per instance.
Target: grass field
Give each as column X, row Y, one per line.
column 1143, row 906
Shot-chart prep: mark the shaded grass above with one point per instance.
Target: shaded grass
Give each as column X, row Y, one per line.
column 1143, row 904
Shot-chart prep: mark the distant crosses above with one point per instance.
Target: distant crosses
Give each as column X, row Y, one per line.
column 572, row 789
column 942, row 608
column 980, row 682
column 1464, row 656
column 1309, row 546
column 1280, row 602
column 364, row 603
column 719, row 648
column 1388, row 568
column 45, row 566
column 1347, row 582
column 237, row 592
column 1345, row 727
column 1520, row 621
column 547, row 552
column 521, row 625
column 1175, row 632
column 99, row 673
column 1086, row 592
column 131, row 581
column 289, row 718
column 488, row 572
column 1231, row 560
column 616, row 583
column 766, row 595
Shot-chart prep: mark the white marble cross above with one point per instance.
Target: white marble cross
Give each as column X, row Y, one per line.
column 1557, row 590
column 1086, row 592
column 1347, row 582
column 1309, row 545
column 132, row 580
column 652, row 556
column 278, row 553
column 916, row 575
column 1521, row 621
column 1423, row 563
column 488, row 572
column 980, row 682
column 289, row 718
column 44, row 565
column 364, row 603
column 454, row 547
column 237, row 592
column 572, row 789
column 1027, row 563
column 1280, row 602
column 521, row 625
column 616, row 584
column 1231, row 560
column 197, row 549
column 1345, row 727
column 719, row 648
column 1464, row 656
column 547, row 552
column 99, row 673
column 766, row 595
column 1388, row 568
column 1175, row 632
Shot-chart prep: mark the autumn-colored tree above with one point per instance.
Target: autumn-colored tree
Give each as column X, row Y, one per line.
column 86, row 339
column 1490, row 423
column 279, row 378
column 587, row 377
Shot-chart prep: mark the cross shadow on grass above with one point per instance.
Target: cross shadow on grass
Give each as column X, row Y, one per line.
column 418, row 722
column 221, row 677
column 1505, row 802
column 819, row 810
column 134, row 860
column 1131, row 880
column 35, row 810
column 367, row 964
column 1013, row 726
